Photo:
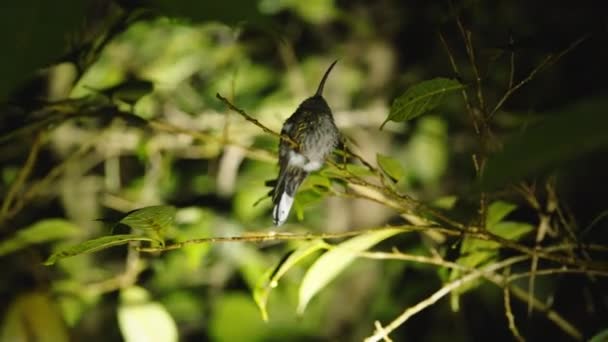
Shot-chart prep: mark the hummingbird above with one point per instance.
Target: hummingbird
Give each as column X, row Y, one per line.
column 313, row 130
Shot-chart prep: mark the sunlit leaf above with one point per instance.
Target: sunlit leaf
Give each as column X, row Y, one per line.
column 140, row 319
column 271, row 279
column 497, row 211
column 41, row 231
column 334, row 261
column 316, row 182
column 420, row 98
column 445, row 202
column 570, row 133
column 511, row 230
column 391, row 167
column 95, row 245
column 33, row 317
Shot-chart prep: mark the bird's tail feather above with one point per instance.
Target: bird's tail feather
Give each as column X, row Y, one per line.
column 284, row 192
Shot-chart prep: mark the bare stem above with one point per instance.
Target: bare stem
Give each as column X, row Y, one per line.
column 255, row 121
column 550, row 59
column 22, row 176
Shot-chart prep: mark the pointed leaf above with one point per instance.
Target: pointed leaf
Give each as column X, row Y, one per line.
column 391, row 166
column 334, row 261
column 39, row 232
column 270, row 280
column 511, row 230
column 602, row 336
column 497, row 211
column 94, row 245
column 421, row 98
column 155, row 218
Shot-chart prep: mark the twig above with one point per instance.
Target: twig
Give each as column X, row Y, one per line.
column 259, row 154
column 466, row 36
column 381, row 330
column 509, row 314
column 22, row 176
column 255, row 121
column 446, row 289
column 35, row 188
column 465, row 95
column 511, row 62
column 554, row 271
column 550, row 59
column 274, row 236
column 551, row 314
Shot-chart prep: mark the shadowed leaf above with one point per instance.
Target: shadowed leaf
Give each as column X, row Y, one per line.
column 573, row 132
column 94, row 245
column 420, row 98
column 41, row 231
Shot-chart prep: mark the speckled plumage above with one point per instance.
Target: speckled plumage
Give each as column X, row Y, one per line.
column 312, row 127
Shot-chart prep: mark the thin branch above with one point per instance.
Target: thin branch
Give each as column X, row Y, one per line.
column 255, row 121
column 259, row 154
column 548, row 60
column 274, row 236
column 22, row 176
column 555, row 271
column 38, row 186
column 465, row 95
column 509, row 314
column 466, row 36
column 551, row 314
column 381, row 330
column 446, row 289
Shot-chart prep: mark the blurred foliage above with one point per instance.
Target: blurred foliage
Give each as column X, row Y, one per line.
column 134, row 204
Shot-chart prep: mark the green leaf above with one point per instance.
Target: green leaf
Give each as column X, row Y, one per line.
column 497, row 211
column 317, row 183
column 350, row 171
column 140, row 319
column 511, row 230
column 153, row 220
column 475, row 252
column 234, row 317
column 391, row 167
column 33, row 317
column 270, row 280
column 334, row 261
column 39, row 232
column 420, row 98
column 95, row 245
column 446, row 202
column 570, row 133
column 602, row 336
